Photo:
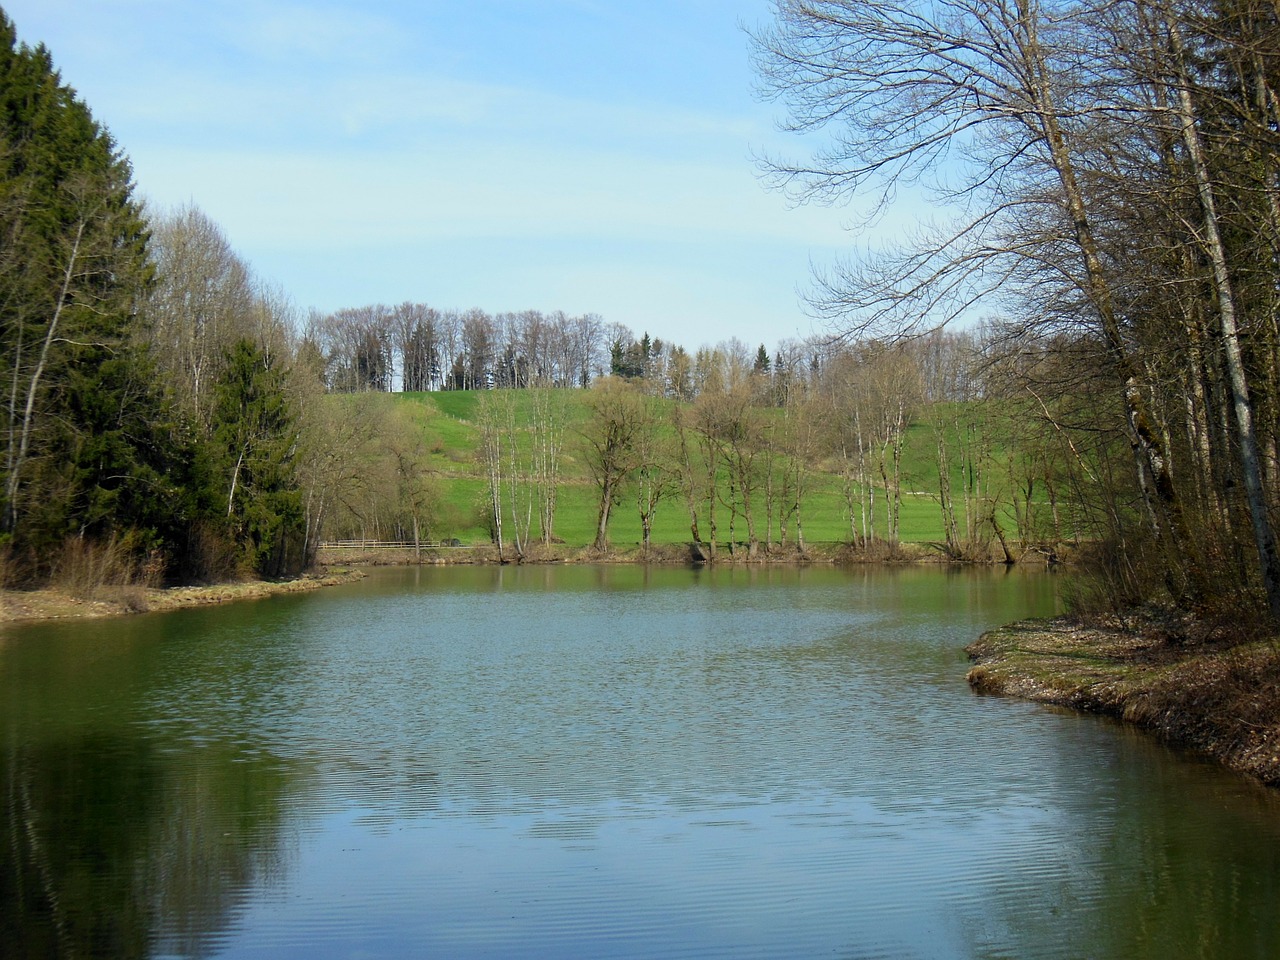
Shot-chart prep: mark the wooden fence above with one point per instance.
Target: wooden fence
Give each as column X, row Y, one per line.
column 389, row 544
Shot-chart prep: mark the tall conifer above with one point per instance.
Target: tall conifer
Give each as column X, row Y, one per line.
column 83, row 453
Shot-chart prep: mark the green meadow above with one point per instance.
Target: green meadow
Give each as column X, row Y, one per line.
column 449, row 424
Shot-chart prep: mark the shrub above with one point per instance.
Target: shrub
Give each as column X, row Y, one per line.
column 89, row 569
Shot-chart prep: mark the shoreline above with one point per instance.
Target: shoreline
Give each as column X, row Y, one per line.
column 558, row 553
column 905, row 553
column 1217, row 700
column 344, row 566
column 48, row 603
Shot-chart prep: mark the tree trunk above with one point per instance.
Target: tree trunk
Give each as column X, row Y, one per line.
column 602, row 519
column 18, row 460
column 1148, row 450
column 1242, row 408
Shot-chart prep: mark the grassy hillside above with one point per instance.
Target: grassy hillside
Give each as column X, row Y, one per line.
column 448, row 422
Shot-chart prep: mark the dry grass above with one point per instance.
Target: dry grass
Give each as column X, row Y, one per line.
column 55, row 604
column 88, row 569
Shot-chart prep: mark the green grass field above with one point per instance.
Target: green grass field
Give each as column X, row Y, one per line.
column 449, row 423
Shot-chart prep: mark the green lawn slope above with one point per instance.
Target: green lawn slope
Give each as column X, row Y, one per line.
column 449, row 423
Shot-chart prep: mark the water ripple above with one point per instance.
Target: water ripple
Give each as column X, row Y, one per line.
column 610, row 763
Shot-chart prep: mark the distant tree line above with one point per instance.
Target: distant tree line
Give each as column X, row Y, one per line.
column 415, row 347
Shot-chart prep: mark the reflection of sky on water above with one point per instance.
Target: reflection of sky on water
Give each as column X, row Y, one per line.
column 740, row 880
column 642, row 763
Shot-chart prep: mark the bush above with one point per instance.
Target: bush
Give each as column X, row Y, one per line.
column 212, row 556
column 7, row 566
column 90, row 569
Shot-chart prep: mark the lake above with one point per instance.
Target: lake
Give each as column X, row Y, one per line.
column 603, row 762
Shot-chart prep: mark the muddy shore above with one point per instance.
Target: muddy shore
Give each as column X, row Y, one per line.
column 1199, row 693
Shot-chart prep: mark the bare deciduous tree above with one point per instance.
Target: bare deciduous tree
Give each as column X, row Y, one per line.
column 1020, row 115
column 609, row 445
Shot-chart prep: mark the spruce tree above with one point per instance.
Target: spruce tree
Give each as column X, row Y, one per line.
column 81, row 413
column 255, row 442
column 762, row 365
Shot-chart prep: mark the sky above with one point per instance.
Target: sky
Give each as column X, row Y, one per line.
column 591, row 156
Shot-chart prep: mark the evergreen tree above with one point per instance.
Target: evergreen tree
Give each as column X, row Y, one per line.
column 72, row 267
column 628, row 360
column 255, row 442
column 762, row 365
column 116, row 463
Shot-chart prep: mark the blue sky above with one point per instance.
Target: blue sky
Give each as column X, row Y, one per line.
column 583, row 155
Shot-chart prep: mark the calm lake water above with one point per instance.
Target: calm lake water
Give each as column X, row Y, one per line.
column 582, row 762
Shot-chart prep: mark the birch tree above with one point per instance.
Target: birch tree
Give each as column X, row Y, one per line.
column 549, row 415
column 493, row 443
column 201, row 303
column 991, row 107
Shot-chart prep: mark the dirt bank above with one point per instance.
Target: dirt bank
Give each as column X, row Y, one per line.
column 1193, row 691
column 673, row 553
column 563, row 553
column 52, row 604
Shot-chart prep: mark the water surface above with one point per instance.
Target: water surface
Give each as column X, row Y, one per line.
column 601, row 762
